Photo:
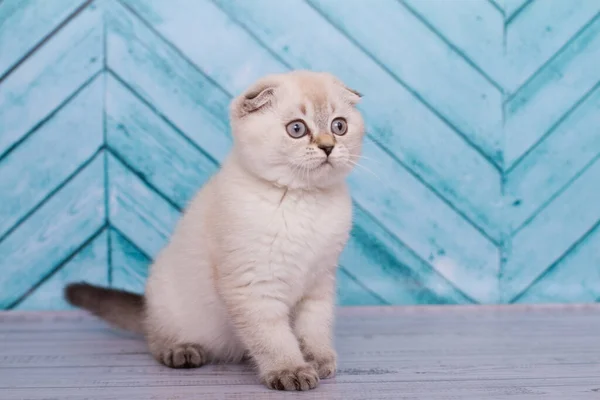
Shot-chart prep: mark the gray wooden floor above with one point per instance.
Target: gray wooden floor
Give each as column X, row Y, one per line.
column 446, row 352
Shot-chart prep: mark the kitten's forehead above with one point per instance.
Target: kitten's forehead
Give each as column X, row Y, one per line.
column 315, row 95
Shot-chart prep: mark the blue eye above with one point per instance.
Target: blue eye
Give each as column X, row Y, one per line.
column 296, row 129
column 339, row 126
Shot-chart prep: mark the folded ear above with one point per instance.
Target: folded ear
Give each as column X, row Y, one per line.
column 353, row 95
column 256, row 97
column 354, row 92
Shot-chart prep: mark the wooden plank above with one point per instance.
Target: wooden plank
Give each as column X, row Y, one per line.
column 572, row 278
column 152, row 147
column 26, row 23
column 437, row 352
column 90, row 347
column 102, row 331
column 140, row 213
column 544, row 99
column 577, row 389
column 52, row 233
column 350, row 292
column 453, row 88
column 157, row 376
column 427, row 226
column 436, row 154
column 172, row 85
column 512, row 6
column 539, row 32
column 475, row 28
column 129, row 265
column 550, row 166
column 45, row 321
column 90, row 265
column 552, row 233
column 234, row 66
column 31, row 172
column 75, row 360
column 387, row 267
column 50, row 76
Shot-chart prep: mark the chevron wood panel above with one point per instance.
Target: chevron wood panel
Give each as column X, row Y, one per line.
column 480, row 181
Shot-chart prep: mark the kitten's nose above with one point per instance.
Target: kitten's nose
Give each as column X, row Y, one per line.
column 327, row 148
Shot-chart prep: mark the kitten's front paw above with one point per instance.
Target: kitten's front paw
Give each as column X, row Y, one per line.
column 299, row 378
column 324, row 361
column 183, row 356
column 325, row 366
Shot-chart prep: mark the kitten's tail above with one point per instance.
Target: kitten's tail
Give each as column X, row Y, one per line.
column 122, row 309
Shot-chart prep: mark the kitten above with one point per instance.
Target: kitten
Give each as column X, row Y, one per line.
column 250, row 269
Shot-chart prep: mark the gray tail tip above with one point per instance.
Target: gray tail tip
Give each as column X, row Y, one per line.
column 75, row 293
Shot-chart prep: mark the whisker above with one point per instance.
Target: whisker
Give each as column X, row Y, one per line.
column 366, row 169
column 361, row 157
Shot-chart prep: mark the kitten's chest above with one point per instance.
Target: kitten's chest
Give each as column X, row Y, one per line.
column 302, row 232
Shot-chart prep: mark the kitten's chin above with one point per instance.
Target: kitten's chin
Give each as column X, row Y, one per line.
column 319, row 176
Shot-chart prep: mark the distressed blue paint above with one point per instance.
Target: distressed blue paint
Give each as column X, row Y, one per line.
column 138, row 211
column 544, row 99
column 549, row 167
column 473, row 28
column 49, row 77
column 152, row 148
column 512, row 8
column 25, row 23
column 128, row 265
column 453, row 88
column 170, row 83
column 52, row 233
column 540, row 31
column 87, row 265
column 576, row 278
column 395, row 273
column 31, row 172
column 550, row 235
column 352, row 293
column 480, row 181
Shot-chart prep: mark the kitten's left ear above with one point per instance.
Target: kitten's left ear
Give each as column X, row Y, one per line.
column 354, row 92
column 256, row 97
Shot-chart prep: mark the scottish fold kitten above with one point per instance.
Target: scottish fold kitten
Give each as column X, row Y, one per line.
column 250, row 269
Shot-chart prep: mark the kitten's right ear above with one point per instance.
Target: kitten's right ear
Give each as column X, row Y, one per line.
column 255, row 98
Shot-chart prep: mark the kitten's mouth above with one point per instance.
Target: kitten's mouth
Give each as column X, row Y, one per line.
column 324, row 164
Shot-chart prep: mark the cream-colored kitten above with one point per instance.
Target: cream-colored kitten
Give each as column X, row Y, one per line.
column 250, row 269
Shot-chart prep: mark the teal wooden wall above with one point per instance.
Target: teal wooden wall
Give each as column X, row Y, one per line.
column 481, row 178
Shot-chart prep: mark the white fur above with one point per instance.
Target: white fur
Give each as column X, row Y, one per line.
column 251, row 266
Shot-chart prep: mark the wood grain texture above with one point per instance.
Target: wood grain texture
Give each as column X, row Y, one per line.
column 152, row 148
column 470, row 103
column 441, row 352
column 473, row 28
column 31, row 173
column 161, row 76
column 88, row 265
column 25, row 23
column 50, row 76
column 550, row 93
column 137, row 211
column 479, row 177
column 540, row 31
column 129, row 265
column 53, row 233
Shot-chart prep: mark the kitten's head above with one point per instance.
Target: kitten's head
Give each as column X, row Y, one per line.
column 299, row 130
